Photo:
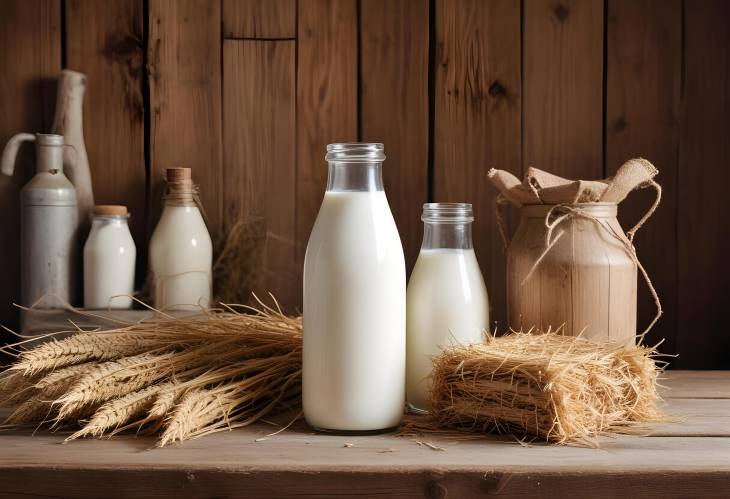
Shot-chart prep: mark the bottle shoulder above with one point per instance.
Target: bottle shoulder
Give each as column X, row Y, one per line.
column 181, row 223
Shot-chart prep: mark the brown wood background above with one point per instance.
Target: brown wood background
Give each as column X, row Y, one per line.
column 249, row 92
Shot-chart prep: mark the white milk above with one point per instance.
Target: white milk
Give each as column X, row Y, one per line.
column 109, row 258
column 447, row 304
column 354, row 315
column 181, row 256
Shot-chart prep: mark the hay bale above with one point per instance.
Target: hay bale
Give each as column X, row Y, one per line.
column 558, row 388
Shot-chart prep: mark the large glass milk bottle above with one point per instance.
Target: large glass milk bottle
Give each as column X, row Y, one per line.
column 354, row 300
column 447, row 298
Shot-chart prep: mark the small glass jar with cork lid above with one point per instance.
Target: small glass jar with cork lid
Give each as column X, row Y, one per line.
column 109, row 260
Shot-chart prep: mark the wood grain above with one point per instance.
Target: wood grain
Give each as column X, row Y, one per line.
column 394, row 40
column 477, row 119
column 563, row 82
column 673, row 460
column 259, row 155
column 185, row 98
column 30, row 61
column 326, row 99
column 695, row 384
column 704, row 174
column 643, row 78
column 518, row 483
column 259, row 18
column 586, row 283
column 104, row 41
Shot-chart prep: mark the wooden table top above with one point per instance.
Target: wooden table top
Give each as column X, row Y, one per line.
column 685, row 459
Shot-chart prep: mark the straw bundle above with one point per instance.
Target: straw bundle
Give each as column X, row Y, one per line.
column 559, row 388
column 181, row 378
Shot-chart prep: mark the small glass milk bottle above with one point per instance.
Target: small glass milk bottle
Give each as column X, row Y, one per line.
column 354, row 300
column 181, row 252
column 447, row 298
column 109, row 258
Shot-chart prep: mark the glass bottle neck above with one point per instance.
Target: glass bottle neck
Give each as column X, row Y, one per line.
column 180, row 193
column 438, row 235
column 355, row 176
column 181, row 201
column 110, row 221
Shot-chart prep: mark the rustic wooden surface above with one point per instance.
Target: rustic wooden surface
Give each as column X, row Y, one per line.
column 477, row 105
column 684, row 459
column 452, row 88
column 643, row 76
column 30, row 60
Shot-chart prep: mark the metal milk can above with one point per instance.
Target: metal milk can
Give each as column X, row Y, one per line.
column 49, row 223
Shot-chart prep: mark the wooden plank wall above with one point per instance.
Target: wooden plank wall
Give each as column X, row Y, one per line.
column 249, row 92
column 30, row 59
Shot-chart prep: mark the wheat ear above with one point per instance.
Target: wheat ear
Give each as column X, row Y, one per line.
column 82, row 348
column 118, row 412
column 113, row 379
column 197, row 409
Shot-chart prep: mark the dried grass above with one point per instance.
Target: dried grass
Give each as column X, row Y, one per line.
column 558, row 388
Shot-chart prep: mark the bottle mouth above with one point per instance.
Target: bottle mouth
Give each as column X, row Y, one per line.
column 453, row 213
column 49, row 140
column 355, row 152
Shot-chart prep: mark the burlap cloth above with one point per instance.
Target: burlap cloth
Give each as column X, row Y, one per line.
column 541, row 187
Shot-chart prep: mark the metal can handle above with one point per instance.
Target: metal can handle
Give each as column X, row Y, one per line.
column 10, row 152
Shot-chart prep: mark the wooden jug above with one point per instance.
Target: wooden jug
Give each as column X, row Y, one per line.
column 572, row 266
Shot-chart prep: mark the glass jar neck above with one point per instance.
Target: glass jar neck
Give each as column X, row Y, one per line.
column 439, row 235
column 355, row 176
column 112, row 221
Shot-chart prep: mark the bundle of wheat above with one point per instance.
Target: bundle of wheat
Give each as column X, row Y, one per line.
column 558, row 388
column 181, row 378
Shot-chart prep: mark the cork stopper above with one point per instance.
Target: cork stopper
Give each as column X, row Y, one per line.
column 178, row 174
column 110, row 210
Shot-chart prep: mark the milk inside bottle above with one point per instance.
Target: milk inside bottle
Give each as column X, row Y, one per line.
column 354, row 300
column 109, row 258
column 447, row 298
column 181, row 252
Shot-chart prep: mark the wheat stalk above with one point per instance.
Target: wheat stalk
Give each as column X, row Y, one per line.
column 197, row 409
column 112, row 379
column 80, row 348
column 166, row 398
column 31, row 410
column 118, row 412
column 15, row 387
column 56, row 383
